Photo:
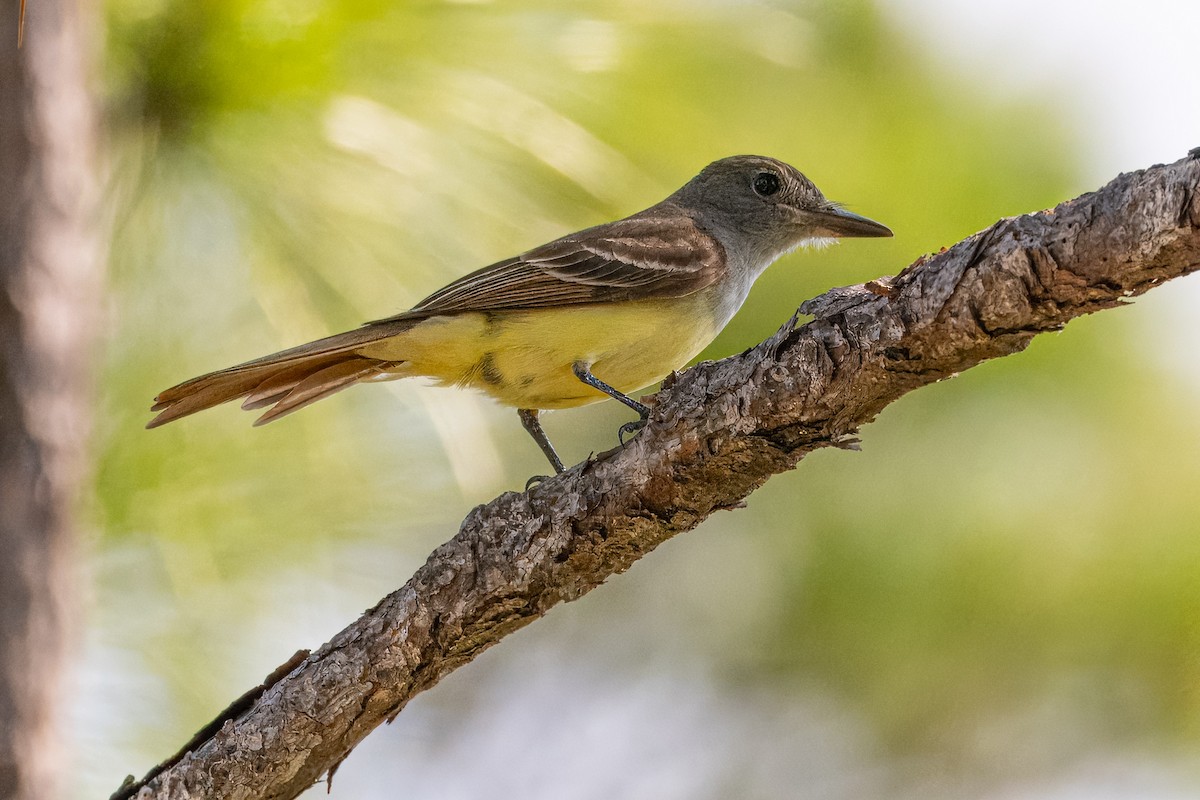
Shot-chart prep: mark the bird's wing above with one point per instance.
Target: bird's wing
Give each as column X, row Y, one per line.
column 632, row 259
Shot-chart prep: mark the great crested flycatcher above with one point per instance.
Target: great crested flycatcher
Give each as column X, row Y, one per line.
column 599, row 313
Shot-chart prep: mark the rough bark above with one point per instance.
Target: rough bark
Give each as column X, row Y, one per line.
column 718, row 431
column 49, row 283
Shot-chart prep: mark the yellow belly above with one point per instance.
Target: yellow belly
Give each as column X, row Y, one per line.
column 525, row 358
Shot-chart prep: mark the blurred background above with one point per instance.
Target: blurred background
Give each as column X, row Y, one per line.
column 999, row 597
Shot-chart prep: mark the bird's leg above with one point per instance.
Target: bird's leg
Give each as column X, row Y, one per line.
column 584, row 374
column 529, row 418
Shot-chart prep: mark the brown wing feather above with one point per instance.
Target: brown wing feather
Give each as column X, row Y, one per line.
column 659, row 253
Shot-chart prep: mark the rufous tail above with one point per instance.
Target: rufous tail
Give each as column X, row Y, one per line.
column 286, row 381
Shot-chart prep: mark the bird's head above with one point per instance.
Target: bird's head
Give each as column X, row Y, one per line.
column 769, row 205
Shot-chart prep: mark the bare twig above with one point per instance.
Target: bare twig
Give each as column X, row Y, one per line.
column 718, row 431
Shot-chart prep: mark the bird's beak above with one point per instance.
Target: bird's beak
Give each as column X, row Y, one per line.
column 841, row 223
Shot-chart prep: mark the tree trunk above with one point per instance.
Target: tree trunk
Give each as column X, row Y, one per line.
column 49, row 283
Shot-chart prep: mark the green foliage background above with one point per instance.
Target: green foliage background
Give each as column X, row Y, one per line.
column 999, row 589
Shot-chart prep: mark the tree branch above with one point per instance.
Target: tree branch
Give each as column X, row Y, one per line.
column 718, row 431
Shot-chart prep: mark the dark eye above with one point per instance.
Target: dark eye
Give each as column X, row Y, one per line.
column 766, row 183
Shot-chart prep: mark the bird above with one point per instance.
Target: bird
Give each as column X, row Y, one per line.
column 596, row 314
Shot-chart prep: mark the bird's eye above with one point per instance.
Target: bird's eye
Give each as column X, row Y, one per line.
column 766, row 183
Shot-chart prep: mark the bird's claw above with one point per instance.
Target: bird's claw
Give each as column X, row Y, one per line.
column 535, row 480
column 629, row 429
